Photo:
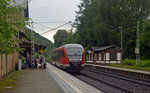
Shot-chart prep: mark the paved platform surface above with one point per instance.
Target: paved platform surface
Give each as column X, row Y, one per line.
column 50, row 80
column 33, row 81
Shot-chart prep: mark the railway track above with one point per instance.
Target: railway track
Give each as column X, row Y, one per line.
column 119, row 71
column 101, row 85
column 114, row 83
column 141, row 81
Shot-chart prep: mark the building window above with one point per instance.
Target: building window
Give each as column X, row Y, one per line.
column 87, row 57
column 103, row 57
column 90, row 56
column 113, row 56
column 100, row 56
column 95, row 56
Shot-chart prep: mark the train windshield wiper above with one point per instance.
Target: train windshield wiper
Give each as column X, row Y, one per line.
column 76, row 52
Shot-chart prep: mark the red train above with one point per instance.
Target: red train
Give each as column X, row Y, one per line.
column 69, row 57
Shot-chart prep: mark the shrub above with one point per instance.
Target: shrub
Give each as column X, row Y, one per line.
column 129, row 62
column 145, row 63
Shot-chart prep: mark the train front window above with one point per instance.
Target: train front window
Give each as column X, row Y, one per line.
column 74, row 51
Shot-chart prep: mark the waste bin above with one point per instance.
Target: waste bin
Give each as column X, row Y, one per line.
column 19, row 64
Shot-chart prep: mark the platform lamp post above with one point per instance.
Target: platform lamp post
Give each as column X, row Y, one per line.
column 121, row 42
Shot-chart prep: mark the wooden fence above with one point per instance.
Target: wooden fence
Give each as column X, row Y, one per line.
column 12, row 61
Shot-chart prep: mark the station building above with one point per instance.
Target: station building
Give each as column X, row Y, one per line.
column 104, row 55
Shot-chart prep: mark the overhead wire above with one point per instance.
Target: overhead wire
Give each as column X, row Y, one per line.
column 56, row 28
column 116, row 29
column 52, row 22
column 43, row 25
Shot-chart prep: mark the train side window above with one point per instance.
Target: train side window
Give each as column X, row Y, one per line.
column 61, row 53
column 57, row 55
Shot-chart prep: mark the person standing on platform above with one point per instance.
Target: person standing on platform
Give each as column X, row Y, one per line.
column 44, row 62
column 27, row 60
column 37, row 62
column 41, row 61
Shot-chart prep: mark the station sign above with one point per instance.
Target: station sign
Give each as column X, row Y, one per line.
column 41, row 51
column 92, row 52
column 137, row 51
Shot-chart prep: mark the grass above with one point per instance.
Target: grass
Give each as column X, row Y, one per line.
column 8, row 83
column 131, row 64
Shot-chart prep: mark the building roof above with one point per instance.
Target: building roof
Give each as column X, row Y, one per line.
column 96, row 49
column 26, row 43
column 104, row 48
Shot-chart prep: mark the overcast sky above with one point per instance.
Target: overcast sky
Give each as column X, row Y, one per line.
column 52, row 11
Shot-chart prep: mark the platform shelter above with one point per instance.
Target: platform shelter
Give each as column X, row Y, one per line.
column 26, row 44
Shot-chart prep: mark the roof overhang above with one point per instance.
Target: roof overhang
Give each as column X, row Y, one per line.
column 27, row 44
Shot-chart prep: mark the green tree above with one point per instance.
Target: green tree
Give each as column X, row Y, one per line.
column 97, row 22
column 70, row 38
column 11, row 22
column 59, row 37
column 145, row 40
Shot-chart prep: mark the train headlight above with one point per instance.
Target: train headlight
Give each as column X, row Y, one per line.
column 70, row 59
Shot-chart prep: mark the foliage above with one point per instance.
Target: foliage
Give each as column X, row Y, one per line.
column 39, row 39
column 11, row 22
column 98, row 22
column 69, row 39
column 145, row 63
column 131, row 64
column 145, row 41
column 59, row 37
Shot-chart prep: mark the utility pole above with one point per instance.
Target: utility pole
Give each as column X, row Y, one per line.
column 137, row 49
column 121, row 43
column 32, row 45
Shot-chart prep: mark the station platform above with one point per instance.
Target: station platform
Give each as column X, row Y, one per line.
column 70, row 84
column 119, row 68
column 31, row 81
column 49, row 80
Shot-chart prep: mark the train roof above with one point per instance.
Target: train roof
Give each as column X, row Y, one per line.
column 68, row 46
column 72, row 45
